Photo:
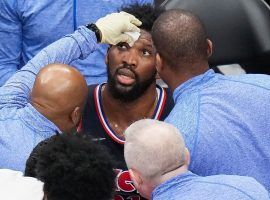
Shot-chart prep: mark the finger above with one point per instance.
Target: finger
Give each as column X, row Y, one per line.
column 132, row 18
column 132, row 28
column 124, row 13
column 135, row 21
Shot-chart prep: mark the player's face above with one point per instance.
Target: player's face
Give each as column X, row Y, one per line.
column 131, row 70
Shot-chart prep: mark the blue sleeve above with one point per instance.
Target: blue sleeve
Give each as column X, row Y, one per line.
column 145, row 1
column 11, row 39
column 16, row 91
column 127, row 2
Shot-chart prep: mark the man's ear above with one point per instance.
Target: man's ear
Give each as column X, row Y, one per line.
column 209, row 48
column 159, row 63
column 76, row 116
column 187, row 157
column 135, row 177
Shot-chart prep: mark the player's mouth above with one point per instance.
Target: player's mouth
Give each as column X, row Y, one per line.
column 125, row 76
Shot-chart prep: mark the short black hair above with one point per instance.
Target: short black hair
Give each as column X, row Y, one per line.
column 72, row 167
column 146, row 13
column 180, row 36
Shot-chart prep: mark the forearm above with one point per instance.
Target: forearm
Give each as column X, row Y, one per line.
column 6, row 71
column 74, row 46
column 71, row 47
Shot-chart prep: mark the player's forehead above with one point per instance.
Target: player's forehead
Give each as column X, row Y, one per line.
column 145, row 35
column 145, row 39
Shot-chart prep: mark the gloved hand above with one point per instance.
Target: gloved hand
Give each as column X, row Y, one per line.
column 113, row 26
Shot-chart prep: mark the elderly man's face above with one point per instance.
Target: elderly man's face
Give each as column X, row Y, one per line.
column 131, row 70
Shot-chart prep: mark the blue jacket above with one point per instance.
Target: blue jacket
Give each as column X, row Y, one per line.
column 28, row 26
column 189, row 186
column 225, row 121
column 22, row 127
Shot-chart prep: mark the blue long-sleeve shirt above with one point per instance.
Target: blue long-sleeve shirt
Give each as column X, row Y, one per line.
column 22, row 127
column 225, row 121
column 28, row 26
column 189, row 186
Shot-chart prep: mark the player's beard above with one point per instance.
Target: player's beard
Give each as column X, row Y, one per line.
column 128, row 93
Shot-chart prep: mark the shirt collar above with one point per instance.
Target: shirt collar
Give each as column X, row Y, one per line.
column 177, row 181
column 35, row 120
column 194, row 83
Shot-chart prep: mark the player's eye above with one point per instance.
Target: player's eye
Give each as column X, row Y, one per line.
column 146, row 52
column 122, row 46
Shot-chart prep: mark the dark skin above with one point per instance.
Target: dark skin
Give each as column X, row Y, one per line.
column 141, row 57
column 174, row 78
column 59, row 93
column 193, row 61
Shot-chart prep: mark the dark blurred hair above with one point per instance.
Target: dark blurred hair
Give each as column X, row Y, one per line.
column 146, row 13
column 72, row 167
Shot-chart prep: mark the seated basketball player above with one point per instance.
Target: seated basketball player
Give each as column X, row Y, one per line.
column 130, row 94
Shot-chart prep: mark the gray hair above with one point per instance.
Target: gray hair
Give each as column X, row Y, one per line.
column 153, row 148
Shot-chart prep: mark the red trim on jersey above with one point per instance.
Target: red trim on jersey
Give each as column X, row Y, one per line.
column 102, row 118
column 162, row 104
column 79, row 127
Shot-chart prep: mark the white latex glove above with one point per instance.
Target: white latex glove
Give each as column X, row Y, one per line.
column 114, row 26
column 135, row 36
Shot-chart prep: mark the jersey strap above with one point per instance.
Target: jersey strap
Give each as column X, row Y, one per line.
column 104, row 121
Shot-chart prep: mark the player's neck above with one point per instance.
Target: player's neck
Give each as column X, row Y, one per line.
column 121, row 114
column 140, row 105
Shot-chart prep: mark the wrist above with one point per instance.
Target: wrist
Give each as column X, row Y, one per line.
column 96, row 30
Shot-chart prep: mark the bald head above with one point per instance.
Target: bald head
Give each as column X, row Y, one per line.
column 153, row 148
column 180, row 37
column 57, row 91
